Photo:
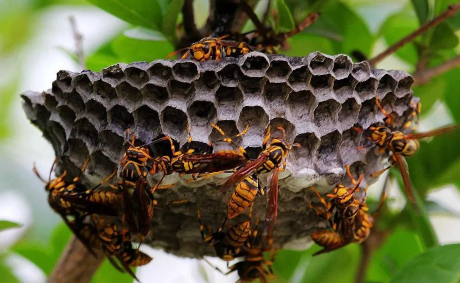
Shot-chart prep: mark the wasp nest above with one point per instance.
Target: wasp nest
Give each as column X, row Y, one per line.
column 317, row 99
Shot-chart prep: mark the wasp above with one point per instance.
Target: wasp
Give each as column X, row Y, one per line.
column 61, row 200
column 390, row 118
column 213, row 48
column 271, row 159
column 400, row 145
column 227, row 244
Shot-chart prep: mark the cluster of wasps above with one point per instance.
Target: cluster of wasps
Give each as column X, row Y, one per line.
column 347, row 213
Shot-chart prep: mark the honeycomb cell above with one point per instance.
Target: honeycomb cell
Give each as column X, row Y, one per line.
column 322, row 86
column 278, row 70
column 50, row 101
column 114, row 71
column 367, row 113
column 288, row 127
column 185, row 71
column 229, row 101
column 404, row 85
column 386, row 84
column 67, row 115
column 136, row 74
column 57, row 136
column 366, row 89
column 275, row 97
column 104, row 90
column 357, row 169
column 305, row 155
column 251, row 86
column 84, row 130
column 230, row 129
column 344, row 88
column 101, row 165
column 257, row 119
column 208, row 80
column 154, row 95
column 329, row 159
column 326, row 115
column 299, row 78
column 301, row 105
column 83, row 83
column 320, row 64
column 349, row 112
column 173, row 122
column 342, row 67
column 351, row 140
column 361, row 71
column 96, row 110
column 387, row 103
column 75, row 102
column 120, row 119
column 201, row 112
column 160, row 71
column 78, row 152
column 401, row 104
column 110, row 143
column 254, row 64
column 229, row 75
column 147, row 123
column 64, row 80
column 181, row 91
column 130, row 96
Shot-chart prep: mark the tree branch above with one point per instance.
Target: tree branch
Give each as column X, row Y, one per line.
column 191, row 31
column 76, row 265
column 450, row 12
column 78, row 37
column 424, row 76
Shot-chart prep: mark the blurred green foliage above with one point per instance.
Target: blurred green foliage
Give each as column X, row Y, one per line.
column 409, row 252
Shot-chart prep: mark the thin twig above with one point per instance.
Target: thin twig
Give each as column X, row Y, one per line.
column 78, row 37
column 368, row 247
column 76, row 265
column 267, row 12
column 450, row 12
column 424, row 76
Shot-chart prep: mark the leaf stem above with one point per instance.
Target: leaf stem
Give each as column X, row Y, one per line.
column 424, row 76
column 78, row 38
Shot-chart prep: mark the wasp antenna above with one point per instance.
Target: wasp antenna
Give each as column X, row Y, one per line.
column 176, row 52
column 38, row 174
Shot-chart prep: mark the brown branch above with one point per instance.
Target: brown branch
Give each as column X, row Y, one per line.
column 76, row 265
column 450, row 12
column 78, row 37
column 191, row 31
column 368, row 247
column 424, row 76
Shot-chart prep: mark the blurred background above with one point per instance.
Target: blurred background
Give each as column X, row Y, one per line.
column 36, row 41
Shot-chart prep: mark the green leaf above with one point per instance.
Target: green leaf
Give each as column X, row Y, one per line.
column 146, row 13
column 287, row 262
column 397, row 27
column 443, row 38
column 285, row 20
column 422, row 9
column 431, row 92
column 37, row 254
column 440, row 264
column 4, row 224
column 144, row 34
column 399, row 248
column 6, row 275
column 302, row 44
column 451, row 93
column 170, row 19
column 108, row 273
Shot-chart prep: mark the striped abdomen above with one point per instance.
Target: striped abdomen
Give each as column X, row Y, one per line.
column 243, row 196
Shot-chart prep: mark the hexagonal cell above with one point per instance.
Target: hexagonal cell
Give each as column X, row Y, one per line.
column 252, row 85
column 301, row 105
column 154, row 94
column 50, row 100
column 75, row 102
column 288, row 127
column 179, row 90
column 173, row 122
column 63, row 80
column 254, row 64
column 78, row 152
column 185, row 71
column 361, row 71
column 320, row 64
column 110, row 143
column 278, row 70
column 323, row 82
column 101, row 164
column 57, row 136
column 342, row 67
column 305, row 155
column 348, row 115
column 230, row 75
column 404, row 85
column 401, row 104
column 328, row 157
column 357, row 169
column 113, row 72
column 208, row 80
column 344, row 88
column 67, row 115
column 387, row 103
column 275, row 97
column 128, row 93
column 160, row 71
column 96, row 110
column 119, row 119
column 82, row 83
column 136, row 73
column 84, row 130
column 201, row 112
column 257, row 119
column 299, row 77
column 230, row 129
column 104, row 89
column 366, row 89
column 386, row 84
column 326, row 115
column 228, row 100
column 147, row 123
column 351, row 140
column 367, row 113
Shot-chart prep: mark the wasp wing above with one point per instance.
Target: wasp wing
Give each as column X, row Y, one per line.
column 432, row 133
column 244, row 172
column 272, row 204
column 402, row 166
